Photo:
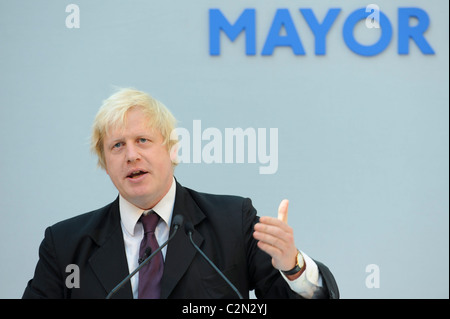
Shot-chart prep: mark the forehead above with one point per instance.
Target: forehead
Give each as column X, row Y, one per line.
column 134, row 123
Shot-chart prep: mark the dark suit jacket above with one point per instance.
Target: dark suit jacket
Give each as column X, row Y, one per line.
column 224, row 226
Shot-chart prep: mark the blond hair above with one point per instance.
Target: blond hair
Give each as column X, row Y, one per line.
column 113, row 114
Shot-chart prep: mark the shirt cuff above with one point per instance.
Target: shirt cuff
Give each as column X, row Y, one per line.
column 310, row 281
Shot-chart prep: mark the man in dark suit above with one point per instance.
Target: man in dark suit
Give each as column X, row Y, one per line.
column 132, row 138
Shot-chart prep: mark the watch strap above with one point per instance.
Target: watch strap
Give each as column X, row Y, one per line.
column 298, row 266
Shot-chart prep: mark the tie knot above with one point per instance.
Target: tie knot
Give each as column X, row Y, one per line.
column 150, row 221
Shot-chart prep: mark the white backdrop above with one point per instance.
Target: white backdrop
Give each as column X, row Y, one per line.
column 362, row 148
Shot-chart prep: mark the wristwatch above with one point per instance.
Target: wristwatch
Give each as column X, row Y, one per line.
column 298, row 266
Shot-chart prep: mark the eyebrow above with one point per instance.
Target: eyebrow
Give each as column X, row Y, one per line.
column 139, row 135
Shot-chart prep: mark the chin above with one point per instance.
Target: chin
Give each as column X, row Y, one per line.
column 143, row 201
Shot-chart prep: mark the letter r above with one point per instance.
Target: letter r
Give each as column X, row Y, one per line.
column 406, row 32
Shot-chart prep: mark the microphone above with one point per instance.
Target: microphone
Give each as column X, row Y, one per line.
column 189, row 228
column 147, row 253
column 177, row 222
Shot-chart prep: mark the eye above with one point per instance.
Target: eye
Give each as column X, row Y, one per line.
column 143, row 140
column 117, row 145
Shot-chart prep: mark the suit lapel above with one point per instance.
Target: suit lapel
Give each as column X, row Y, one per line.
column 180, row 251
column 109, row 263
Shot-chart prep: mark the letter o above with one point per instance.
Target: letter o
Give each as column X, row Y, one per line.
column 366, row 50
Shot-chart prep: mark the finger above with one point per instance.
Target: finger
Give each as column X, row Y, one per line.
column 272, row 251
column 266, row 220
column 280, row 241
column 274, row 232
column 278, row 229
column 283, row 211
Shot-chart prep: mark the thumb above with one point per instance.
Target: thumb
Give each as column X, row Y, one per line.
column 283, row 210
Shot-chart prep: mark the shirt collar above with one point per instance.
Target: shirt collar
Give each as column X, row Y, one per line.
column 130, row 214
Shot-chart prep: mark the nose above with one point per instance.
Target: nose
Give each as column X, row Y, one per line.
column 132, row 153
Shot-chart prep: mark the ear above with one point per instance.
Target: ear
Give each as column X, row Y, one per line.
column 106, row 169
column 173, row 153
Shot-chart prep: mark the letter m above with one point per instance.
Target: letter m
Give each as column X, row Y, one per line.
column 218, row 22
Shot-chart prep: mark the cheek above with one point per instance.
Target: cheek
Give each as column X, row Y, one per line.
column 111, row 166
column 165, row 161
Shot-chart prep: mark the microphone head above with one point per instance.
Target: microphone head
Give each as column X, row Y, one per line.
column 188, row 228
column 177, row 221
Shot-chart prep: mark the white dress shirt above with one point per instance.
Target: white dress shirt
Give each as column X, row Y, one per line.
column 133, row 232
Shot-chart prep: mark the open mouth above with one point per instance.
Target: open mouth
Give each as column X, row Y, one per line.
column 136, row 174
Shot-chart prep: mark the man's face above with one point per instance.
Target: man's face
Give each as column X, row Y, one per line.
column 137, row 162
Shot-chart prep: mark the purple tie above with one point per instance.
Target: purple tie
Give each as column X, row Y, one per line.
column 150, row 275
